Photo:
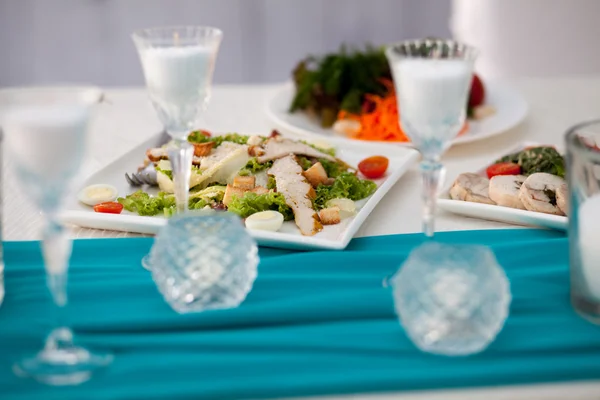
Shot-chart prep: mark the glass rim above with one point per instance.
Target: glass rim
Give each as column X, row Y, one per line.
column 145, row 33
column 574, row 140
column 391, row 50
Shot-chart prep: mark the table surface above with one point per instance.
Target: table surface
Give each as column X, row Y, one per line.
column 127, row 119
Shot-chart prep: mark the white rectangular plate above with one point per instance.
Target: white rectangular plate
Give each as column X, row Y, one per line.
column 332, row 237
column 499, row 213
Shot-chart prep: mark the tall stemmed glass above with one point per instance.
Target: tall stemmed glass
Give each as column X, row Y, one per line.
column 432, row 80
column 45, row 131
column 178, row 65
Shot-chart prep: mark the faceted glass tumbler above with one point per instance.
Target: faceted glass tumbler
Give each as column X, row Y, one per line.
column 451, row 300
column 203, row 261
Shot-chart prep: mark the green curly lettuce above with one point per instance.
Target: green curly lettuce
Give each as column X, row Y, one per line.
column 346, row 185
column 253, row 167
column 252, row 203
column 199, row 137
column 143, row 204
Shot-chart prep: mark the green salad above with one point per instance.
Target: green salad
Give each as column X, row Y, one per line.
column 239, row 178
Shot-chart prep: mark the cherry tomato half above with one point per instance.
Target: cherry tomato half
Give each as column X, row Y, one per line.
column 110, row 207
column 477, row 93
column 373, row 167
column 505, row 168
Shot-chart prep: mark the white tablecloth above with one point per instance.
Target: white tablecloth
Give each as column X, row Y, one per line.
column 555, row 105
column 129, row 119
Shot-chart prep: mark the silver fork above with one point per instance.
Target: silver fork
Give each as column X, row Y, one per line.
column 147, row 176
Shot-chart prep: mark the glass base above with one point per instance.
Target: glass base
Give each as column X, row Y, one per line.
column 587, row 309
column 61, row 363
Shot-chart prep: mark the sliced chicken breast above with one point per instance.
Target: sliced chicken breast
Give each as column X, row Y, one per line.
column 562, row 198
column 504, row 190
column 471, row 187
column 278, row 147
column 297, row 191
column 538, row 193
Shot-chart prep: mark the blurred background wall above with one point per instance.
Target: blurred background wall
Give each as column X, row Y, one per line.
column 52, row 41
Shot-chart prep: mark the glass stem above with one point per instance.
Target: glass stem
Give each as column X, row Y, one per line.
column 181, row 153
column 430, row 171
column 56, row 250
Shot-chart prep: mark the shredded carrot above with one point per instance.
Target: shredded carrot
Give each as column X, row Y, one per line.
column 380, row 122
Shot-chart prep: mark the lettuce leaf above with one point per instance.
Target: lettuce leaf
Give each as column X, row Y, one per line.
column 333, row 169
column 198, row 137
column 304, row 162
column 346, row 185
column 143, row 204
column 167, row 172
column 252, row 203
column 253, row 167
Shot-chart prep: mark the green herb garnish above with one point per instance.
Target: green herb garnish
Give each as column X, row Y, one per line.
column 538, row 159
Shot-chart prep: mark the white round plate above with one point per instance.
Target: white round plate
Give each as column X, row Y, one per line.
column 511, row 108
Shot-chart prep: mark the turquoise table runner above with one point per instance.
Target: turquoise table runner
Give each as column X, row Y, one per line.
column 316, row 323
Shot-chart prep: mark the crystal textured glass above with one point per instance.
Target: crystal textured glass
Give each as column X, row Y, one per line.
column 451, row 300
column 583, row 205
column 204, row 261
column 432, row 79
column 178, row 64
column 45, row 132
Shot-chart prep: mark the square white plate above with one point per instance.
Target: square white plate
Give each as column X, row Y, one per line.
column 499, row 213
column 331, row 237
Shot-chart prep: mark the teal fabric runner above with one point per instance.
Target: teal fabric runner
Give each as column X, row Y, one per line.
column 316, row 323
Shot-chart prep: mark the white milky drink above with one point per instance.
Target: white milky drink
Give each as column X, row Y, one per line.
column 432, row 97
column 178, row 80
column 589, row 234
column 47, row 144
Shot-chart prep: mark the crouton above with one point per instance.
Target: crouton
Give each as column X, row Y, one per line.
column 256, row 151
column 203, row 149
column 311, row 193
column 157, row 154
column 330, row 216
column 260, row 190
column 231, row 192
column 244, row 182
column 316, row 175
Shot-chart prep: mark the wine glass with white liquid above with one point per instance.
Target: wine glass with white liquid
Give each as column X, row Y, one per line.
column 432, row 80
column 178, row 65
column 45, row 132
